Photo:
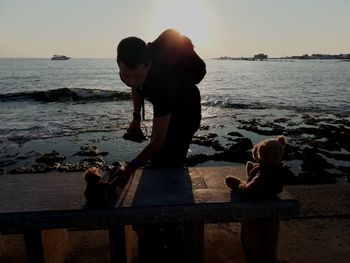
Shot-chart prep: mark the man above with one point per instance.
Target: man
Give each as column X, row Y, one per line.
column 165, row 72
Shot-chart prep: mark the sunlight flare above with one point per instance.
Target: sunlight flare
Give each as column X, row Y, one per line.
column 191, row 18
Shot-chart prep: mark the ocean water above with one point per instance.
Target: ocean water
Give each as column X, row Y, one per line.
column 44, row 99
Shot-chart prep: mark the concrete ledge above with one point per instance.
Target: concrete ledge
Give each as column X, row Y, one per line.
column 301, row 240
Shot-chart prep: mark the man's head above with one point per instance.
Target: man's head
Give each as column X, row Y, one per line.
column 133, row 58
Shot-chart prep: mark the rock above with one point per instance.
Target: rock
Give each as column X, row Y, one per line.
column 235, row 134
column 239, row 152
column 292, row 152
column 51, row 158
column 43, row 168
column 93, row 161
column 19, row 170
column 313, row 162
column 281, row 120
column 336, row 156
column 27, row 155
column 84, row 164
column 35, row 168
column 309, row 120
column 345, row 169
column 8, row 159
column 90, row 151
column 72, row 167
column 193, row 160
column 6, row 162
column 313, row 168
column 208, row 141
column 266, row 128
column 204, row 127
column 326, row 135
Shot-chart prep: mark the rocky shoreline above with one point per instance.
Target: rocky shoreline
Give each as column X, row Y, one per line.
column 318, row 145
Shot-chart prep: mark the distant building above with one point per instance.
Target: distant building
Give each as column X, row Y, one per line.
column 260, row 56
column 316, row 56
column 321, row 56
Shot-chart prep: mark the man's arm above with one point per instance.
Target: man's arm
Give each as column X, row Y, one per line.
column 159, row 131
column 137, row 101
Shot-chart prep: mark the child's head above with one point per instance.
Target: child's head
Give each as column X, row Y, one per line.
column 269, row 151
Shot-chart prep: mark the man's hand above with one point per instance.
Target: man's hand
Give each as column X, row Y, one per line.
column 134, row 132
column 134, row 126
column 114, row 172
column 121, row 178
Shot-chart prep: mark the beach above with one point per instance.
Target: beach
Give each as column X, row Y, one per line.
column 76, row 76
column 77, row 119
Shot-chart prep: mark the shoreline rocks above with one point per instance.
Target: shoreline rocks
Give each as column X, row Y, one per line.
column 317, row 149
column 49, row 162
column 321, row 143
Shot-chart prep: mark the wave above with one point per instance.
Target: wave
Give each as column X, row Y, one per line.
column 67, row 94
column 229, row 105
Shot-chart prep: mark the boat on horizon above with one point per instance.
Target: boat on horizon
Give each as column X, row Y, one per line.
column 60, row 57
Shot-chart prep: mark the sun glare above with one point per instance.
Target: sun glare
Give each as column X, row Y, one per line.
column 190, row 17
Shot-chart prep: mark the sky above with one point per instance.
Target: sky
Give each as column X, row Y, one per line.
column 93, row 29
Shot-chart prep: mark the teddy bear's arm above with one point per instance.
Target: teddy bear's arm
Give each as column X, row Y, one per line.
column 251, row 188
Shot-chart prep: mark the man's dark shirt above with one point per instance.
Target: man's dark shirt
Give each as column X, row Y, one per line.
column 171, row 92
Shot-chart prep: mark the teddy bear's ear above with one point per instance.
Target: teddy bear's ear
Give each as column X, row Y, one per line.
column 255, row 152
column 281, row 139
column 93, row 171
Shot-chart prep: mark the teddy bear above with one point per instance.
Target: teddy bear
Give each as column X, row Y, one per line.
column 99, row 192
column 265, row 176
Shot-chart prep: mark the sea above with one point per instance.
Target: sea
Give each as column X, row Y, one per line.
column 60, row 105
